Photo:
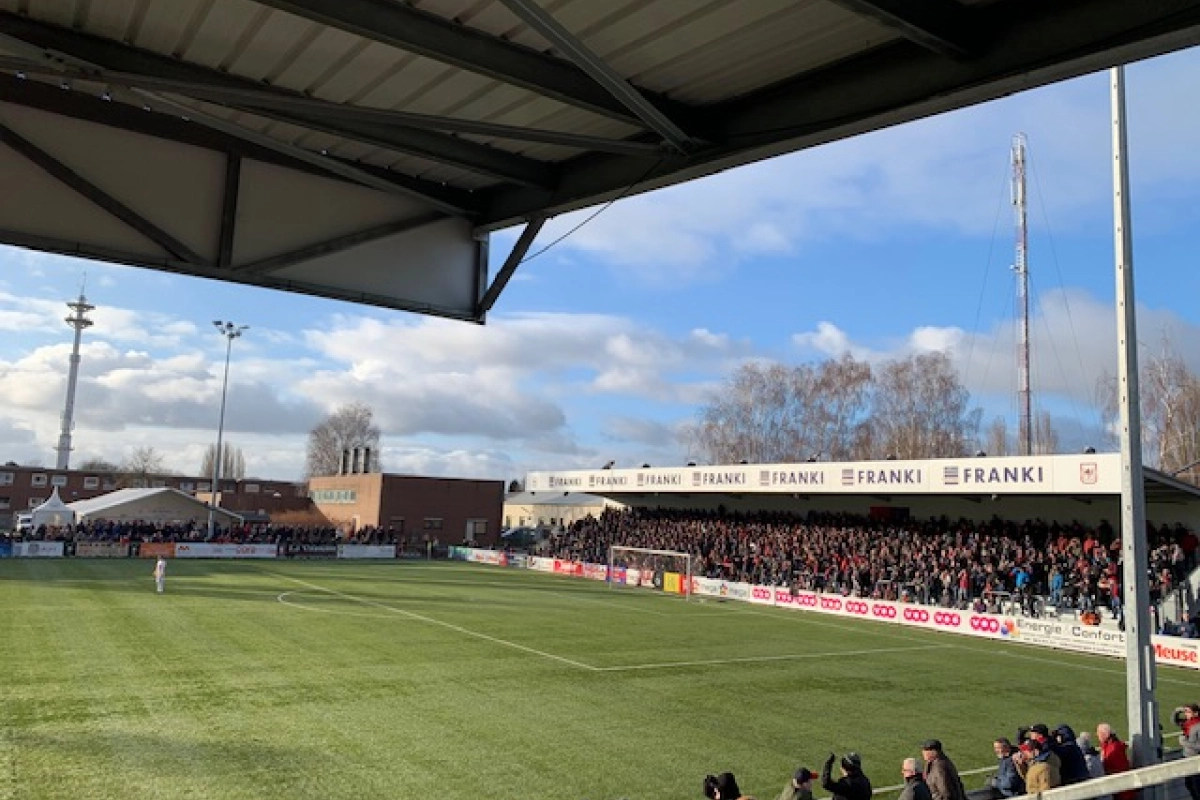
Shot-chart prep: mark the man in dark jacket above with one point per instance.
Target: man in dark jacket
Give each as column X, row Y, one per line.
column 914, row 783
column 1073, row 765
column 853, row 785
column 940, row 773
column 1007, row 781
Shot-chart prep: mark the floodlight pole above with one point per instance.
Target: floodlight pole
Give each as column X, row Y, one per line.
column 1141, row 705
column 230, row 331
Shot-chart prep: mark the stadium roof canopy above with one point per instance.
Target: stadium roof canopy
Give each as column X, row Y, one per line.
column 365, row 149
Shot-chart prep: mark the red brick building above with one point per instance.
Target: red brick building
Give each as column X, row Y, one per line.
column 23, row 488
column 418, row 509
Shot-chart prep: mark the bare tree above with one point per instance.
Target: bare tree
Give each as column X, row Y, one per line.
column 97, row 465
column 1170, row 396
column 1170, row 410
column 843, row 398
column 233, row 462
column 921, row 408
column 1045, row 435
column 997, row 438
column 759, row 415
column 349, row 427
column 143, row 464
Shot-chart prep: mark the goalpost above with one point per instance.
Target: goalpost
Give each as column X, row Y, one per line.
column 665, row 570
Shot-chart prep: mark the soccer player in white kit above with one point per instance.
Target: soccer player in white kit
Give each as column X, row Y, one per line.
column 160, row 574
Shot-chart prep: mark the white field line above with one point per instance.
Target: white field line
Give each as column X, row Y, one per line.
column 448, row 625
column 757, row 659
column 580, row 664
column 339, row 611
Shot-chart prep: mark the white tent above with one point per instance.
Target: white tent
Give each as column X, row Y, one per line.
column 53, row 513
column 160, row 506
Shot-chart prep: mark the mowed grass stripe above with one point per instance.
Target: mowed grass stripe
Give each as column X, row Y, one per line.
column 218, row 690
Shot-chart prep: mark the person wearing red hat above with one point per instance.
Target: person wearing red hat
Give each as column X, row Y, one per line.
column 1037, row 766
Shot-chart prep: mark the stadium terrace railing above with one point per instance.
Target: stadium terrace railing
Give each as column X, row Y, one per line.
column 1163, row 782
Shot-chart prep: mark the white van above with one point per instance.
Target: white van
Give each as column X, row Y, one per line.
column 23, row 523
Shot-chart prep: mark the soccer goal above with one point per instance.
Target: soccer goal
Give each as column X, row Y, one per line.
column 665, row 570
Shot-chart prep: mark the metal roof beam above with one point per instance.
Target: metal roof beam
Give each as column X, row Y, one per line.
column 552, row 31
column 401, row 26
column 83, row 51
column 520, row 248
column 337, row 245
column 271, row 99
column 452, row 151
column 1030, row 45
column 81, row 106
column 99, row 197
column 229, row 201
column 943, row 26
column 300, row 154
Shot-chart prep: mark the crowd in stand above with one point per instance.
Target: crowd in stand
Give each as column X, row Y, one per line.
column 936, row 561
column 135, row 531
column 1041, row 759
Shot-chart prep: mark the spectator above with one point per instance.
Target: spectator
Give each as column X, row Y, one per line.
column 1006, row 781
column 1091, row 755
column 940, row 773
column 1073, row 766
column 800, row 786
column 915, row 787
column 1190, row 740
column 852, row 785
column 1037, row 766
column 1114, row 756
column 723, row 787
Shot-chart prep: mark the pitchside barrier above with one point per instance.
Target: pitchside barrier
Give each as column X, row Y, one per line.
column 1060, row 634
column 1160, row 781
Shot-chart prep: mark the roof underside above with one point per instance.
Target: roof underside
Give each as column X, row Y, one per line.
column 363, row 149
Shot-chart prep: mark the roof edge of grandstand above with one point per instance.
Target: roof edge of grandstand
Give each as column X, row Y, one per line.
column 1084, row 474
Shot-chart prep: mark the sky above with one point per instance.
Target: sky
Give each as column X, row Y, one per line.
column 607, row 345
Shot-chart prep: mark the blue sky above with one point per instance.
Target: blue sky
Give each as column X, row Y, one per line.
column 603, row 346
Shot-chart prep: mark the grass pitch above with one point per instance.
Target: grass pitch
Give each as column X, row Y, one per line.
column 355, row 680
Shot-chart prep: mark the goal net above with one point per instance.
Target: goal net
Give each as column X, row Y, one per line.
column 667, row 571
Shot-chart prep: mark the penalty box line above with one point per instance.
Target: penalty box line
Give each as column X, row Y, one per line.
column 590, row 667
column 763, row 659
column 447, row 625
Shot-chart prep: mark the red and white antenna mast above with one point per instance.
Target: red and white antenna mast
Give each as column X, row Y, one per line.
column 1021, row 268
